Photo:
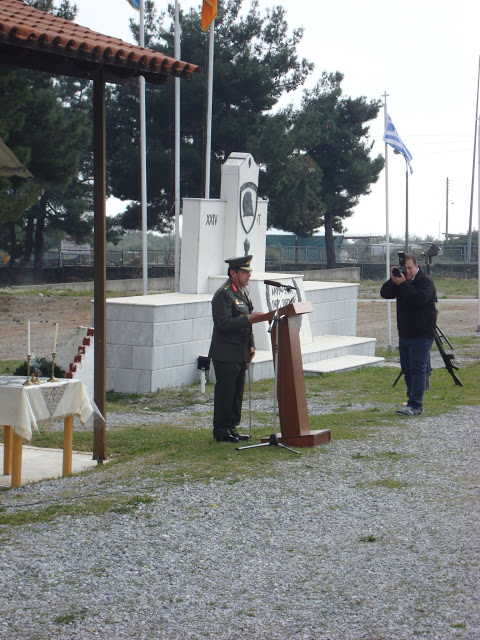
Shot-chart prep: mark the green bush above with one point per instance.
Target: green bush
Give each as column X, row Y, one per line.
column 40, row 364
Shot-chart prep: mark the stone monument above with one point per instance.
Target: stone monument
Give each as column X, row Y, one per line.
column 154, row 341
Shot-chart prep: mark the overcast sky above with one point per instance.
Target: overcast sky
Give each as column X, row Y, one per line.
column 424, row 55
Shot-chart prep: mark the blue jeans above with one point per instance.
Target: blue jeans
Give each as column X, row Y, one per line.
column 414, row 354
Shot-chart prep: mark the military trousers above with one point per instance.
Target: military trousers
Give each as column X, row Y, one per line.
column 228, row 397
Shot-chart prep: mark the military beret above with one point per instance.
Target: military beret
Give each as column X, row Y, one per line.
column 243, row 262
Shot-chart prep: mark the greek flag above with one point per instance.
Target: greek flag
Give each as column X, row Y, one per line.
column 135, row 4
column 392, row 138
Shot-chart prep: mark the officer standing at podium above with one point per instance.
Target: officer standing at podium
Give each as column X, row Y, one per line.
column 232, row 348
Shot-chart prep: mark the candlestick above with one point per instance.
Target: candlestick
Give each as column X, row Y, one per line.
column 52, row 377
column 28, row 337
column 55, row 337
column 27, row 382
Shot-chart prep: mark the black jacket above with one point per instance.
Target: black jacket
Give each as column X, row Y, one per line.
column 416, row 311
column 232, row 332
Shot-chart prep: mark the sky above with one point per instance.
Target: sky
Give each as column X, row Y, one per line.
column 424, row 55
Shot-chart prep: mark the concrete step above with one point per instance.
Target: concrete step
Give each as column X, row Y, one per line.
column 341, row 363
column 328, row 348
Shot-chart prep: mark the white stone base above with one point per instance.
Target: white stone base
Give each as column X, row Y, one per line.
column 154, row 341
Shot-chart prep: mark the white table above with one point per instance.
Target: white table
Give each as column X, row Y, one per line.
column 23, row 408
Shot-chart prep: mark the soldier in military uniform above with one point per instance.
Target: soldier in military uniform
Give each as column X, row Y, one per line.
column 232, row 348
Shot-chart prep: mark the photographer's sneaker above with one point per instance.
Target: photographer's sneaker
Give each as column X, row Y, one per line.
column 409, row 411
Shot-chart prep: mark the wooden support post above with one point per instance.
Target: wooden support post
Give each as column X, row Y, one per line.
column 7, row 450
column 67, row 445
column 99, row 268
column 16, row 460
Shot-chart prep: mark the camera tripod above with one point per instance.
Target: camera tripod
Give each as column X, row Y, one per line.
column 447, row 358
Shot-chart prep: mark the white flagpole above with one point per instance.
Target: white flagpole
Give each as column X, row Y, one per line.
column 387, row 229
column 478, row 247
column 177, row 153
column 469, row 244
column 143, row 158
column 208, row 149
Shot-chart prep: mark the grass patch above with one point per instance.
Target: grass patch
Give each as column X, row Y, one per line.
column 70, row 618
column 349, row 425
column 391, row 483
column 88, row 507
column 456, row 287
column 82, row 440
column 390, row 455
column 370, row 538
column 372, row 385
column 163, row 400
column 7, row 367
column 381, row 455
column 446, row 288
column 390, row 356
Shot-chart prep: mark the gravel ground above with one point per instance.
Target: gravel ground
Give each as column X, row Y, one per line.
column 374, row 539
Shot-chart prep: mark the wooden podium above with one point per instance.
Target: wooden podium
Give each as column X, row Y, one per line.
column 292, row 402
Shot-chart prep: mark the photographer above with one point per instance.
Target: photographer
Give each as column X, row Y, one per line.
column 416, row 322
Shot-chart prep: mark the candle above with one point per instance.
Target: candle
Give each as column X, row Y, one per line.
column 28, row 337
column 55, row 338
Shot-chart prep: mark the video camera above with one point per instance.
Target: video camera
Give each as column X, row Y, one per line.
column 396, row 271
column 432, row 251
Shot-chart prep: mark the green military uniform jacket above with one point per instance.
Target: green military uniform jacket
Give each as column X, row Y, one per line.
column 232, row 332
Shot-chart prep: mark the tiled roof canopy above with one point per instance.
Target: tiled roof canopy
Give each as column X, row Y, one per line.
column 37, row 40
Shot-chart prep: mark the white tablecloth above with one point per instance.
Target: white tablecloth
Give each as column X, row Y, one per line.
column 25, row 407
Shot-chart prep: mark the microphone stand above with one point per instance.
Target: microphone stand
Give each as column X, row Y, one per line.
column 273, row 439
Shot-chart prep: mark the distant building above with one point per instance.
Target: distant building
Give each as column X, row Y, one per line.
column 380, row 249
column 71, row 252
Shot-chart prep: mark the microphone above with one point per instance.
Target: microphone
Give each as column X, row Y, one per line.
column 273, row 283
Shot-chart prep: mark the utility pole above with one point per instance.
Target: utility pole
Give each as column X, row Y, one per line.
column 446, row 217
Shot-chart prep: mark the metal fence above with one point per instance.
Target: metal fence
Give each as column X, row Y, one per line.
column 354, row 254
column 120, row 258
column 275, row 254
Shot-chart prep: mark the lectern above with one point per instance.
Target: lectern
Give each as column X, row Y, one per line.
column 292, row 401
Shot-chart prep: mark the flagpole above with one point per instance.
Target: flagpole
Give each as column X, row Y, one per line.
column 177, row 153
column 406, row 206
column 208, row 149
column 143, row 158
column 469, row 244
column 387, row 229
column 478, row 241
